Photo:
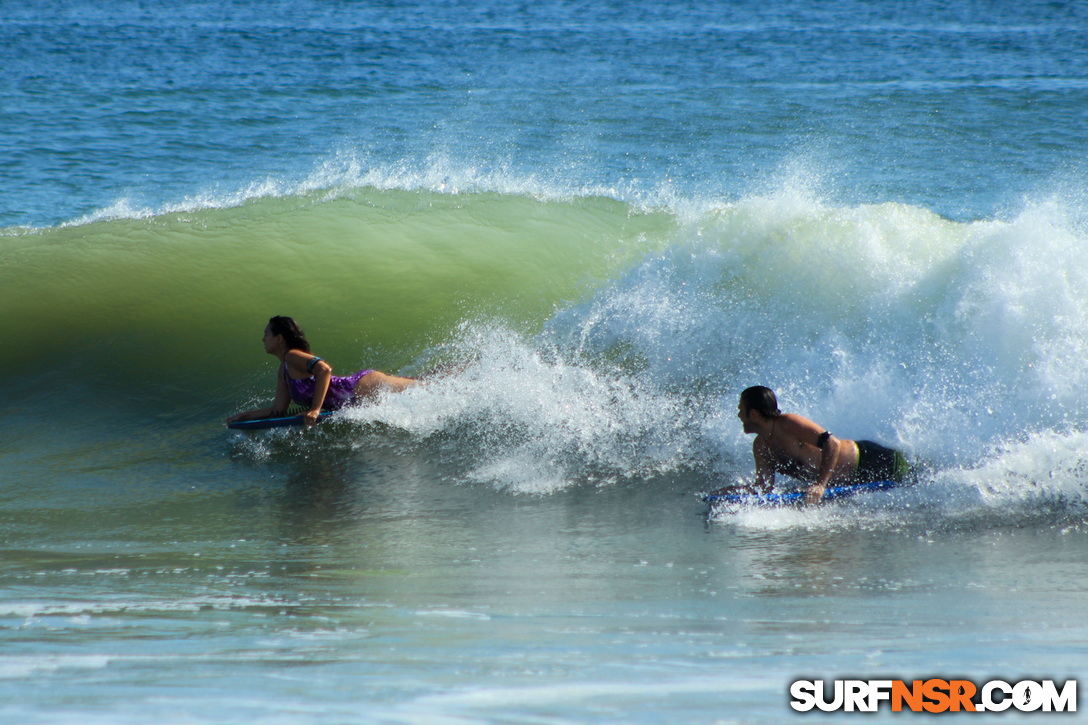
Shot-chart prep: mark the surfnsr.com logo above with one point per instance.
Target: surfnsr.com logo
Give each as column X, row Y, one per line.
column 934, row 695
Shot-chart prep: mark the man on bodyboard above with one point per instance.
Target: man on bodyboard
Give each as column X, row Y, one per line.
column 796, row 446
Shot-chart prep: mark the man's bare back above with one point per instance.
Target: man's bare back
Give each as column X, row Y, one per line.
column 797, row 447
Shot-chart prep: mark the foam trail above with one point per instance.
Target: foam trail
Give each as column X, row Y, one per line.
column 535, row 422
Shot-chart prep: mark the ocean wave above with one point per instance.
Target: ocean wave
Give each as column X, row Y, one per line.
column 610, row 340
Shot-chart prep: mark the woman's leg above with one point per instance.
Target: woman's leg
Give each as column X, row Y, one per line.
column 373, row 382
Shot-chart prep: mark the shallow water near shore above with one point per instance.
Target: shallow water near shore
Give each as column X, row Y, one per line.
column 330, row 575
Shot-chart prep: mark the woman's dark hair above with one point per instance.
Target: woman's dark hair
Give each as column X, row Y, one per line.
column 292, row 333
column 762, row 400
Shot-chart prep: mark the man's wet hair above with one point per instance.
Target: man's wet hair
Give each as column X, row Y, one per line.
column 762, row 400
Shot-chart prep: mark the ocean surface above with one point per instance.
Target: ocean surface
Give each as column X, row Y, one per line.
column 601, row 221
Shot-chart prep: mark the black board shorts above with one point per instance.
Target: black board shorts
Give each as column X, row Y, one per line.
column 879, row 463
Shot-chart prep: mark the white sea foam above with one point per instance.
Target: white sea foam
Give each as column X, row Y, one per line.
column 24, row 666
column 537, row 422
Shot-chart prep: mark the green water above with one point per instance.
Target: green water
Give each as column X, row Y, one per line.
column 367, row 270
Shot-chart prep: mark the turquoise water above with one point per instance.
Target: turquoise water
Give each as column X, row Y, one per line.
column 604, row 221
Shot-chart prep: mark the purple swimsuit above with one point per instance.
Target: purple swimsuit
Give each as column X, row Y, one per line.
column 341, row 390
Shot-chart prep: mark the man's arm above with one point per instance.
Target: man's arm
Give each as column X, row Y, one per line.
column 761, row 452
column 798, row 432
column 829, row 447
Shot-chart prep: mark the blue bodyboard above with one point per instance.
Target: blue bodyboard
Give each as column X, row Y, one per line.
column 266, row 423
column 796, row 498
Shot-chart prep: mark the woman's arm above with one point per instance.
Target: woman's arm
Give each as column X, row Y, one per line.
column 322, row 373
column 283, row 393
column 278, row 407
column 255, row 414
column 304, row 364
